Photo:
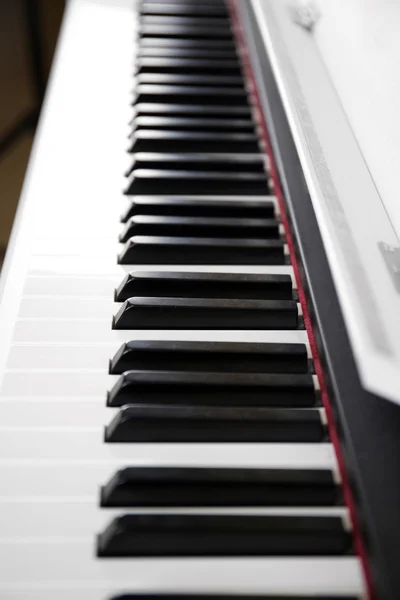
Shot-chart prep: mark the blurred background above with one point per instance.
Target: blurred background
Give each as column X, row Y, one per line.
column 28, row 36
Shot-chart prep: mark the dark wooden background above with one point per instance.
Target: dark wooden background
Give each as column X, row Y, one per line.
column 28, row 35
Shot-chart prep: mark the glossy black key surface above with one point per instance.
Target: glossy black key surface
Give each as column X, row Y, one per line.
column 208, row 424
column 201, row 251
column 190, row 94
column 186, row 486
column 176, row 8
column 198, row 161
column 228, row 357
column 201, row 53
column 200, row 227
column 201, row 206
column 206, row 313
column 234, row 81
column 186, row 20
column 184, row 284
column 167, row 181
column 183, row 43
column 154, row 140
column 220, row 22
column 135, row 596
column 190, row 32
column 214, row 389
column 224, row 535
column 193, row 110
column 183, row 3
column 187, row 3
column 194, row 124
column 174, row 64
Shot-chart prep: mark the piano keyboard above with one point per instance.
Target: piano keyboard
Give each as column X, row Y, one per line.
column 162, row 433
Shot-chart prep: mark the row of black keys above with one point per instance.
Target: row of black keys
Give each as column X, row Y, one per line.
column 171, row 405
column 193, row 133
column 214, row 535
column 185, row 391
column 201, row 230
column 147, row 394
column 175, row 300
column 249, row 301
column 190, row 300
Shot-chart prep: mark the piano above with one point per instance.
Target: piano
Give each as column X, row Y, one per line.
column 199, row 394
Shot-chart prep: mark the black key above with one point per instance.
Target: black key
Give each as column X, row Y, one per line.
column 200, row 227
column 192, row 33
column 201, row 251
column 201, row 53
column 183, row 21
column 234, row 81
column 172, row 64
column 167, row 181
column 172, row 8
column 193, row 110
column 205, row 285
column 190, row 94
column 184, row 43
column 206, row 313
column 153, row 140
column 198, row 161
column 214, row 389
column 164, row 486
column 193, row 124
column 223, row 357
column 185, row 3
column 198, row 206
column 205, row 424
column 224, row 535
column 135, row 596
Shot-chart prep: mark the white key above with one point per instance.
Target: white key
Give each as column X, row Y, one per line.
column 83, row 282
column 68, row 285
column 99, row 330
column 70, row 564
column 84, row 518
column 81, row 443
column 84, row 594
column 53, row 411
column 53, row 477
column 29, row 355
column 52, row 307
column 43, row 382
column 105, row 245
column 53, row 266
column 61, row 357
column 52, row 384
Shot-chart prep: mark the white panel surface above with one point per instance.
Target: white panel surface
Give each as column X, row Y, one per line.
column 352, row 215
column 360, row 45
